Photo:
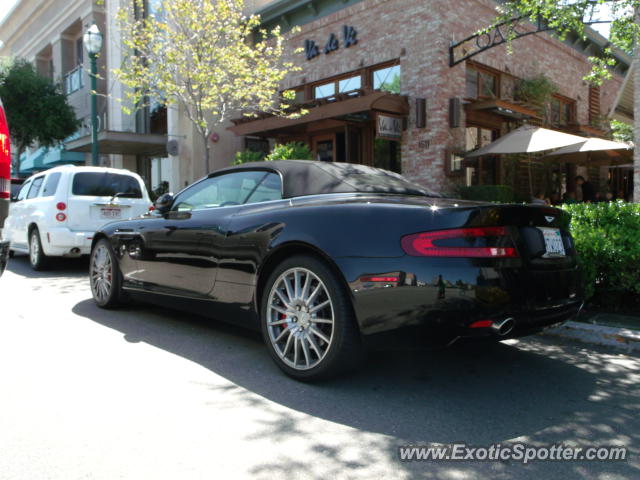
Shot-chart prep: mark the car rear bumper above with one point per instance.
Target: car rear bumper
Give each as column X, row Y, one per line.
column 61, row 241
column 446, row 298
column 4, row 256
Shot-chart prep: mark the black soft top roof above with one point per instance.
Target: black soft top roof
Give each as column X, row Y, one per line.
column 306, row 177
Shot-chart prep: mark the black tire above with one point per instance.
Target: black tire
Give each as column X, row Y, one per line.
column 37, row 258
column 345, row 349
column 114, row 297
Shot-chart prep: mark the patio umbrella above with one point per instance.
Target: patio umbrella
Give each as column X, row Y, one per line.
column 528, row 138
column 594, row 151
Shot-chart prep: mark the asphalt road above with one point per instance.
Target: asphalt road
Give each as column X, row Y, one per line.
column 147, row 393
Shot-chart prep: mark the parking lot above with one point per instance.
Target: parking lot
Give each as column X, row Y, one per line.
column 143, row 392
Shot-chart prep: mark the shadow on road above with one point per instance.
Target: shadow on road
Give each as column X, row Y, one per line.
column 476, row 394
column 57, row 267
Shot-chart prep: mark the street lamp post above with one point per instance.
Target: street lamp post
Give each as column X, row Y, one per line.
column 93, row 43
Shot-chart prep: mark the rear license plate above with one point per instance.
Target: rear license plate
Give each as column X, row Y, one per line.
column 110, row 212
column 553, row 242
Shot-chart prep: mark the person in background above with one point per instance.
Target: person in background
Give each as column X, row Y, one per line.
column 556, row 199
column 570, row 197
column 608, row 197
column 588, row 192
column 538, row 198
column 598, row 198
column 621, row 196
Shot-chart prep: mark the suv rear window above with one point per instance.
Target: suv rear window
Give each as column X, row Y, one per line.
column 95, row 184
column 51, row 185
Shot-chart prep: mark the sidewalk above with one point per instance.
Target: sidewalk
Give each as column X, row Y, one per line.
column 620, row 331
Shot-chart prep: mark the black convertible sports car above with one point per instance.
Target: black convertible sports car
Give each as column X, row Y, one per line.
column 321, row 255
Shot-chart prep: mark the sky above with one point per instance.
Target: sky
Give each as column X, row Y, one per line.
column 5, row 7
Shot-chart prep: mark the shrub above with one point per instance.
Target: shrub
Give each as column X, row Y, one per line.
column 488, row 193
column 290, row 151
column 247, row 156
column 607, row 239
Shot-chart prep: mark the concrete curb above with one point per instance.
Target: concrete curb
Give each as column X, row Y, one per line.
column 622, row 338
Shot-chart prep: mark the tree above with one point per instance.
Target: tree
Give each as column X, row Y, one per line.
column 206, row 56
column 36, row 108
column 566, row 16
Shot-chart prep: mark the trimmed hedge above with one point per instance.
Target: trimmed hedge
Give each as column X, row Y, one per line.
column 607, row 239
column 488, row 193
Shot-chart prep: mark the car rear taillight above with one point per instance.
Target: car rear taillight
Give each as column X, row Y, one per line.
column 152, row 208
column 61, row 206
column 61, row 217
column 5, row 157
column 477, row 242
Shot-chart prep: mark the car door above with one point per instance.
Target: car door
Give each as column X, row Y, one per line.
column 30, row 209
column 179, row 251
column 16, row 217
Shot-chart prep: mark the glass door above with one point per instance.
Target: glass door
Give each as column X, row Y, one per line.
column 324, row 148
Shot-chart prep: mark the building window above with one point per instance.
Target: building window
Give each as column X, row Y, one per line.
column 481, row 83
column 342, row 85
column 325, row 90
column 79, row 51
column 561, row 111
column 483, row 170
column 387, row 79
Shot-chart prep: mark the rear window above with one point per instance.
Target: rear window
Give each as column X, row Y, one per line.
column 96, row 184
column 51, row 185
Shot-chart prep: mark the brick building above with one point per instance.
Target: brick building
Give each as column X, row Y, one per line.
column 383, row 94
column 375, row 65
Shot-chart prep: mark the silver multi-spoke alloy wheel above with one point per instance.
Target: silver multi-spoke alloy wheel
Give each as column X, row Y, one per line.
column 101, row 274
column 300, row 318
column 34, row 248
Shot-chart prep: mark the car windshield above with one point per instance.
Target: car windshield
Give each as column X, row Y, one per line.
column 98, row 184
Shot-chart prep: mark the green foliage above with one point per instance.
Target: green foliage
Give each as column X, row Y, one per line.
column 247, row 156
column 536, row 90
column 290, row 151
column 206, row 56
column 567, row 16
column 392, row 86
column 606, row 238
column 488, row 193
column 622, row 132
column 36, row 108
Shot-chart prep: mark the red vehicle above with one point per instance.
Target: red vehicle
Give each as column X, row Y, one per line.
column 5, row 184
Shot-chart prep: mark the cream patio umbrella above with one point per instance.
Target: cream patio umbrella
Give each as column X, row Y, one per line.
column 527, row 139
column 594, row 151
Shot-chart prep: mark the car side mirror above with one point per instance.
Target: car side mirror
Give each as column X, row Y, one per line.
column 163, row 203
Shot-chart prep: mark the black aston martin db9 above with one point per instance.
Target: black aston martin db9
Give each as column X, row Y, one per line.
column 320, row 256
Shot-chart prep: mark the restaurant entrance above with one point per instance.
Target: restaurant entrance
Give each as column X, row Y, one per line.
column 342, row 145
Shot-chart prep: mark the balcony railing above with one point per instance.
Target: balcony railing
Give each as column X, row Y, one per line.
column 74, row 80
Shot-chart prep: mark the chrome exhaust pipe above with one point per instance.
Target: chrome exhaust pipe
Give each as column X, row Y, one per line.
column 503, row 327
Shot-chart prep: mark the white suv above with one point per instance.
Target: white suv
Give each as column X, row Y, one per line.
column 57, row 212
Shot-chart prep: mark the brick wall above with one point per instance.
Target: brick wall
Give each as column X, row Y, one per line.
column 419, row 33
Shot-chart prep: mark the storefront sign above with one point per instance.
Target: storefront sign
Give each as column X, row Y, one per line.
column 349, row 38
column 493, row 36
column 389, row 127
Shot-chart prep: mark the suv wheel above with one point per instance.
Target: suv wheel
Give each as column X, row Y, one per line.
column 37, row 257
column 307, row 320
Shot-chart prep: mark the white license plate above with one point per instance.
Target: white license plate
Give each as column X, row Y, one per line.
column 553, row 242
column 110, row 213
